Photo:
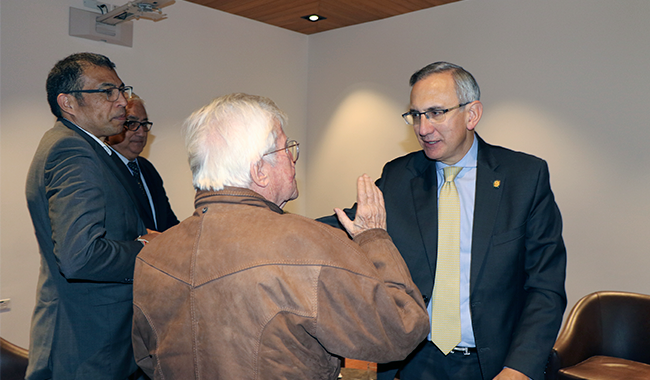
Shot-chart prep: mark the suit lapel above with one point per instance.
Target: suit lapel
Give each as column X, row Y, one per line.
column 424, row 188
column 146, row 170
column 132, row 187
column 121, row 172
column 488, row 197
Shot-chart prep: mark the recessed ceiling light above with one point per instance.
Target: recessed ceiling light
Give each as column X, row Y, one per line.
column 314, row 17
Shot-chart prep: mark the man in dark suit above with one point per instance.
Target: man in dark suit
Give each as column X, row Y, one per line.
column 88, row 229
column 510, row 256
column 157, row 212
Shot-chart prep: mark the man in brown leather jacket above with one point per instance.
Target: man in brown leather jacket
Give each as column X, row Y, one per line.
column 241, row 290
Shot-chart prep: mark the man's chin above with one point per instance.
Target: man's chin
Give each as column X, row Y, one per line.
column 433, row 153
column 293, row 197
column 117, row 129
column 137, row 148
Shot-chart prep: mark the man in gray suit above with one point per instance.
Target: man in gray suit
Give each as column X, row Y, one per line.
column 88, row 229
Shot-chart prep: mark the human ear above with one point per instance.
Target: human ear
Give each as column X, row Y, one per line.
column 474, row 113
column 259, row 173
column 65, row 103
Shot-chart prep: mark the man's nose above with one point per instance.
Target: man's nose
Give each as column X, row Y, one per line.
column 121, row 100
column 423, row 126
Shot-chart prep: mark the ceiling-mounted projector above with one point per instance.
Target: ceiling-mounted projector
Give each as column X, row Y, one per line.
column 113, row 27
column 135, row 9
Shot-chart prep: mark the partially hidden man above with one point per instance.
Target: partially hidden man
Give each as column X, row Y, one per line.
column 148, row 186
column 242, row 290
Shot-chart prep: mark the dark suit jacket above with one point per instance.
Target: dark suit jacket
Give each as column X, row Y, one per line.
column 517, row 295
column 165, row 217
column 86, row 226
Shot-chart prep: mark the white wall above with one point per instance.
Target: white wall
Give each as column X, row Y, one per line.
column 176, row 65
column 565, row 80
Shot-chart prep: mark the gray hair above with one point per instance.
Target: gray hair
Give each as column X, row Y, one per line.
column 224, row 138
column 467, row 89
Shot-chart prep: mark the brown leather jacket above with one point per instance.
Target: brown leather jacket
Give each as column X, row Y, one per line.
column 241, row 290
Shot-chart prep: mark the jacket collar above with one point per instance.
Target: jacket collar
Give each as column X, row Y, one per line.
column 234, row 195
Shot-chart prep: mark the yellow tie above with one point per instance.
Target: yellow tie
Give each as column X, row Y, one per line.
column 445, row 311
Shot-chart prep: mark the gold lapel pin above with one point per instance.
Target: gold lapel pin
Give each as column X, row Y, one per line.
column 496, row 184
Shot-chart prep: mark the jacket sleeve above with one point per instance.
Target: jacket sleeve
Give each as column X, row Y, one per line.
column 142, row 336
column 545, row 267
column 375, row 313
column 76, row 192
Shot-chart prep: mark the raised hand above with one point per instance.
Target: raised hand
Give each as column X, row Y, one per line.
column 371, row 212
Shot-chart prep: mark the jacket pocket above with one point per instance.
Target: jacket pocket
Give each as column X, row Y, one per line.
column 509, row 236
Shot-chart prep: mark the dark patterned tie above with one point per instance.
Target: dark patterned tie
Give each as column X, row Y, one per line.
column 135, row 170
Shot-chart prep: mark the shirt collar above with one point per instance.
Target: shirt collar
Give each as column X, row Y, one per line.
column 100, row 142
column 124, row 159
column 468, row 161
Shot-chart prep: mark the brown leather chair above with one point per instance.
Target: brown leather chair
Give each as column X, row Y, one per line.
column 606, row 336
column 13, row 361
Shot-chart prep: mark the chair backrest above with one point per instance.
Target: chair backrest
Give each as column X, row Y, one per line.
column 13, row 361
column 615, row 324
column 625, row 319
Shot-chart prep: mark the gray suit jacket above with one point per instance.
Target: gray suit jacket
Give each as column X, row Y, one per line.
column 517, row 295
column 85, row 223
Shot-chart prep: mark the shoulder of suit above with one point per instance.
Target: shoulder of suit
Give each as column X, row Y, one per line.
column 144, row 160
column 414, row 162
column 504, row 154
column 61, row 137
column 413, row 157
column 147, row 167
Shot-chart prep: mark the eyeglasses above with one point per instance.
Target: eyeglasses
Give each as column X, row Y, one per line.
column 134, row 125
column 112, row 93
column 434, row 115
column 291, row 147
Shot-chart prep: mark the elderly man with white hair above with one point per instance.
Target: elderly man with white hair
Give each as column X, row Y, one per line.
column 241, row 290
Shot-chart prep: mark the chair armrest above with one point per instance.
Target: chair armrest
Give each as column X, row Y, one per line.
column 552, row 366
column 580, row 337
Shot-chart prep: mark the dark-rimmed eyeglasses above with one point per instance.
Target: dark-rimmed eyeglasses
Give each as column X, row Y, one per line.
column 134, row 125
column 292, row 147
column 112, row 93
column 436, row 115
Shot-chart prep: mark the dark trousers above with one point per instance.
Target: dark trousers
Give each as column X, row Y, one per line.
column 427, row 362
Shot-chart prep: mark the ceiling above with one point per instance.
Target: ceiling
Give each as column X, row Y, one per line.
column 338, row 13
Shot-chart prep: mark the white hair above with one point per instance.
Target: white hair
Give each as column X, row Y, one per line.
column 224, row 138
